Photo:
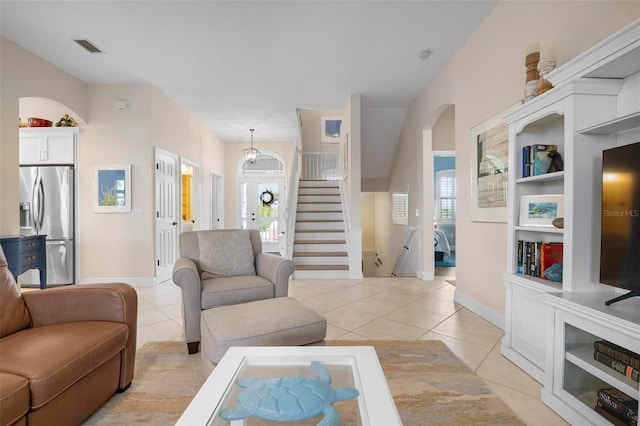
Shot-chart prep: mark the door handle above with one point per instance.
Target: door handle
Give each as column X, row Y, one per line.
column 174, row 223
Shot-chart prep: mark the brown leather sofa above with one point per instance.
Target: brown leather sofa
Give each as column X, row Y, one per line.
column 63, row 351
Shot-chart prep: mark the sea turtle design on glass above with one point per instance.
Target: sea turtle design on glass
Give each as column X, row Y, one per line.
column 289, row 398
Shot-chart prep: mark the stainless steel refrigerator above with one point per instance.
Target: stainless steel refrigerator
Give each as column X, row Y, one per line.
column 47, row 208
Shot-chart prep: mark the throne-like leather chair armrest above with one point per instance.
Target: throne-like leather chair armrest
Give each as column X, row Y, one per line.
column 117, row 302
column 276, row 269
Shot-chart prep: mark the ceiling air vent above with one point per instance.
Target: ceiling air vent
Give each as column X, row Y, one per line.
column 88, row 46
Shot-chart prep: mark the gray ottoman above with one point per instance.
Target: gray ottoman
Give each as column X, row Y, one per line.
column 283, row 321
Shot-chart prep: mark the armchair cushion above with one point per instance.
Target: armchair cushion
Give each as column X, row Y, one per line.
column 233, row 290
column 226, row 253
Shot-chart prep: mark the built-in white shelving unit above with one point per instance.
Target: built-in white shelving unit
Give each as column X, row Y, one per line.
column 550, row 327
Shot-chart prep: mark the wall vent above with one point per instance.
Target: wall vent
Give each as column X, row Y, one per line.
column 88, row 46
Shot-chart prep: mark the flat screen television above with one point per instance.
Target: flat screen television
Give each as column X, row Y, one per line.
column 620, row 238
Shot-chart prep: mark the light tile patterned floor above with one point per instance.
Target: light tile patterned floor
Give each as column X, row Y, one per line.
column 401, row 308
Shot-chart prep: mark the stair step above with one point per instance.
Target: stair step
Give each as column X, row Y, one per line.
column 322, row 267
column 319, row 202
column 322, row 211
column 318, row 230
column 319, row 242
column 320, row 220
column 318, row 254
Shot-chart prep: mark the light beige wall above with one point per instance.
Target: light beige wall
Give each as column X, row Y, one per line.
column 485, row 77
column 233, row 158
column 310, row 130
column 443, row 132
column 114, row 137
column 368, row 217
column 386, row 252
column 23, row 74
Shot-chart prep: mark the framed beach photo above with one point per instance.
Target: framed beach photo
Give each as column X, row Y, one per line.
column 112, row 189
column 490, row 169
column 541, row 210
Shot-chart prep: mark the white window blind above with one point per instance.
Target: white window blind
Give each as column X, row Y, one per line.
column 446, row 196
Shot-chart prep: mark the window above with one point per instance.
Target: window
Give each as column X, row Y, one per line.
column 446, row 196
column 400, row 205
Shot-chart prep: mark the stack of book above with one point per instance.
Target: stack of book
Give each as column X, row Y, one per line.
column 534, row 257
column 620, row 359
column 536, row 160
column 617, row 407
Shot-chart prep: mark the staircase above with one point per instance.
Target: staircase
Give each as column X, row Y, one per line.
column 320, row 246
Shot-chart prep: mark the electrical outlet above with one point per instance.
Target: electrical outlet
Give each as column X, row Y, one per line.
column 121, row 258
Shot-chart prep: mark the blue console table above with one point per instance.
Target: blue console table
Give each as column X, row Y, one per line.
column 24, row 253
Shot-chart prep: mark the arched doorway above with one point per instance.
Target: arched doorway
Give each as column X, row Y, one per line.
column 262, row 192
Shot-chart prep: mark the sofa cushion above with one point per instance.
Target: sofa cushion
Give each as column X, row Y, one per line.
column 233, row 290
column 14, row 398
column 14, row 315
column 54, row 357
column 225, row 253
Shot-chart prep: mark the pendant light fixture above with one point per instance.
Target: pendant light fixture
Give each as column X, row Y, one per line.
column 251, row 154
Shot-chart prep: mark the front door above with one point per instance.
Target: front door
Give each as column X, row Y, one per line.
column 167, row 221
column 260, row 199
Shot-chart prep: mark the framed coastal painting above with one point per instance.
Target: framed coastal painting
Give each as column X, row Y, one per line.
column 541, row 210
column 112, row 189
column 490, row 169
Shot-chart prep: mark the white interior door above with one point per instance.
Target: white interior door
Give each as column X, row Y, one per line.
column 217, row 207
column 167, row 198
column 260, row 199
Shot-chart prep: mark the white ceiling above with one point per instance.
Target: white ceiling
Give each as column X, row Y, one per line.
column 237, row 65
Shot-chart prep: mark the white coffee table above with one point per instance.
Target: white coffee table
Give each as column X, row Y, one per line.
column 350, row 366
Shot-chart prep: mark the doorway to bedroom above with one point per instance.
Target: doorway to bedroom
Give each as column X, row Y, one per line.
column 444, row 232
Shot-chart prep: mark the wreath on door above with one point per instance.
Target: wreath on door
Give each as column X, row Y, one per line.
column 267, row 198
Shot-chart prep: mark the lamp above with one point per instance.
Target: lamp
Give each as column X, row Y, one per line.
column 251, row 154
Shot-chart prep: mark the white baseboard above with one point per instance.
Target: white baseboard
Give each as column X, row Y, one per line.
column 485, row 312
column 425, row 276
column 135, row 282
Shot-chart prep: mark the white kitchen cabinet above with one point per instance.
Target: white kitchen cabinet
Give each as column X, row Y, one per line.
column 48, row 145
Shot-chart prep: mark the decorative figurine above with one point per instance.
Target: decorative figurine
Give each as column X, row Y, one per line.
column 554, row 272
column 289, row 398
column 557, row 165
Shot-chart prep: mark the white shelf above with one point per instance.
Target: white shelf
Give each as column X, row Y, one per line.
column 540, row 229
column 620, row 124
column 582, row 356
column 547, row 177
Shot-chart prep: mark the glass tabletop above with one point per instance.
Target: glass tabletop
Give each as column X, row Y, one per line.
column 237, row 386
column 257, row 374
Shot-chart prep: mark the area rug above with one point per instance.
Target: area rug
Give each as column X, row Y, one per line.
column 429, row 384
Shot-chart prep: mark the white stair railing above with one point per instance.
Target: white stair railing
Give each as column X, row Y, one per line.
column 403, row 252
column 292, row 202
column 321, row 166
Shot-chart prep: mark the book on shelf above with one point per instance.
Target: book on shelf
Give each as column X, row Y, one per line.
column 540, row 160
column 612, row 418
column 550, row 253
column 534, row 257
column 526, row 161
column 618, row 366
column 618, row 403
column 618, row 353
column 536, row 160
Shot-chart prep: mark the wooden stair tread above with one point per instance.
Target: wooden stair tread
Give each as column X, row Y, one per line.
column 318, row 202
column 319, row 230
column 322, row 268
column 319, row 254
column 319, row 220
column 319, row 242
column 320, row 211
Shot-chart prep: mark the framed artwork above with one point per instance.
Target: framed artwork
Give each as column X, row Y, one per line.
column 489, row 169
column 541, row 210
column 330, row 128
column 112, row 189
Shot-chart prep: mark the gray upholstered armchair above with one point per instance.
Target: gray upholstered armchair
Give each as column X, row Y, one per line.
column 225, row 267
